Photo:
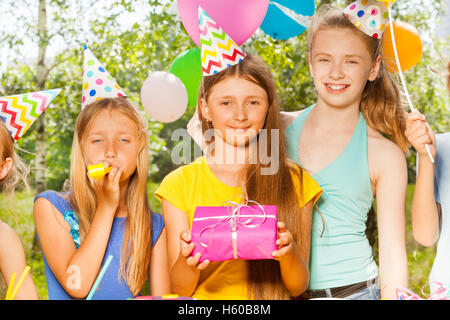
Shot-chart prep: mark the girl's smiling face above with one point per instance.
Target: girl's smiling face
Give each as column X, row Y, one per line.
column 237, row 108
column 113, row 139
column 341, row 64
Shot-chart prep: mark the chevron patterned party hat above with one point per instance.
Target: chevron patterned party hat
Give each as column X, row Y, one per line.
column 218, row 50
column 369, row 16
column 18, row 112
column 97, row 82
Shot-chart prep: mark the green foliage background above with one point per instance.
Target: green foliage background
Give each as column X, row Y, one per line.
column 130, row 50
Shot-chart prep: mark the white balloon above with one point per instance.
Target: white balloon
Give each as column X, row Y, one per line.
column 164, row 96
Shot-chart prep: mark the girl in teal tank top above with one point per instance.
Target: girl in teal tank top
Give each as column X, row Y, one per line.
column 346, row 199
column 353, row 162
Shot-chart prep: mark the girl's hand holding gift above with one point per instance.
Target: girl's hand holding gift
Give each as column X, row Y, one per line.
column 186, row 248
column 285, row 243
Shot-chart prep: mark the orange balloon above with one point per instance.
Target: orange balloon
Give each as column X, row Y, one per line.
column 408, row 43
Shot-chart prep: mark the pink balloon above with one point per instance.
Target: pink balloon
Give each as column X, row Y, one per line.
column 238, row 18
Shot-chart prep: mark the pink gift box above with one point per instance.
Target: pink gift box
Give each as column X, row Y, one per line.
column 235, row 232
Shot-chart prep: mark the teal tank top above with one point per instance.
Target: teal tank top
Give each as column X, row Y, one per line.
column 340, row 252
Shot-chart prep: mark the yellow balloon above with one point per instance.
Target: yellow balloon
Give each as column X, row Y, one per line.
column 389, row 1
column 408, row 44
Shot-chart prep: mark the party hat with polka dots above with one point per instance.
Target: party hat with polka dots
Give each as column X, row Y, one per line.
column 97, row 82
column 369, row 16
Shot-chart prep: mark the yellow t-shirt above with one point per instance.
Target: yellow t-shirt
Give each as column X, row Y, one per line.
column 196, row 185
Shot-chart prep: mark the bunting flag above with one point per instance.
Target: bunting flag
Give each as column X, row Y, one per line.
column 97, row 82
column 18, row 112
column 218, row 50
column 369, row 16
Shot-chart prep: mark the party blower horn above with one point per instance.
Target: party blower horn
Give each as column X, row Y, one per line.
column 98, row 171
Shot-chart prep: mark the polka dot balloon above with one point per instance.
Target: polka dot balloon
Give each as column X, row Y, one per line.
column 97, row 82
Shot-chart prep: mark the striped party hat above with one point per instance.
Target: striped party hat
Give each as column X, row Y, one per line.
column 97, row 82
column 369, row 16
column 18, row 112
column 218, row 50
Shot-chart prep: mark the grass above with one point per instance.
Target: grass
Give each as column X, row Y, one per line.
column 18, row 213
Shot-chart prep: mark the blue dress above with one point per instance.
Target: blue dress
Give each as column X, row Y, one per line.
column 110, row 288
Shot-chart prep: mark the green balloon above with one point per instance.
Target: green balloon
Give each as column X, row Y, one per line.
column 188, row 68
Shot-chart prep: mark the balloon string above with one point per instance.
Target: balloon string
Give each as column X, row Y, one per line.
column 405, row 89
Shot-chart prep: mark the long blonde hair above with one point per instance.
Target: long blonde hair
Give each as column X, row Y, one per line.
column 381, row 101
column 136, row 247
column 264, row 280
column 19, row 171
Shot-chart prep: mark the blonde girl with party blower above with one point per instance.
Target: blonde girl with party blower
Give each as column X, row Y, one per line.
column 12, row 171
column 238, row 102
column 341, row 142
column 109, row 216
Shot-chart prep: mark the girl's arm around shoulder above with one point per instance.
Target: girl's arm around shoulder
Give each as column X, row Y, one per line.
column 12, row 259
column 287, row 117
column 389, row 178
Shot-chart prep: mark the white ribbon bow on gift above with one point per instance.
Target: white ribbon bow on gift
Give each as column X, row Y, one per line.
column 234, row 219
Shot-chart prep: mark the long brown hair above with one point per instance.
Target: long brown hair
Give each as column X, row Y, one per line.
column 279, row 189
column 136, row 248
column 381, row 101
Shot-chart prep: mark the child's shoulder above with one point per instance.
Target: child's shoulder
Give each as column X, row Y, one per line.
column 307, row 188
column 385, row 157
column 7, row 234
column 306, row 179
column 59, row 200
column 5, row 228
column 49, row 194
column 186, row 171
column 378, row 144
column 46, row 194
column 288, row 117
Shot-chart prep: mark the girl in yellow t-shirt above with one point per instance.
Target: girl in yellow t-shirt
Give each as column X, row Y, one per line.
column 239, row 106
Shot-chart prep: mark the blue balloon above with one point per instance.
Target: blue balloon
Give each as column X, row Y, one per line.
column 279, row 21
